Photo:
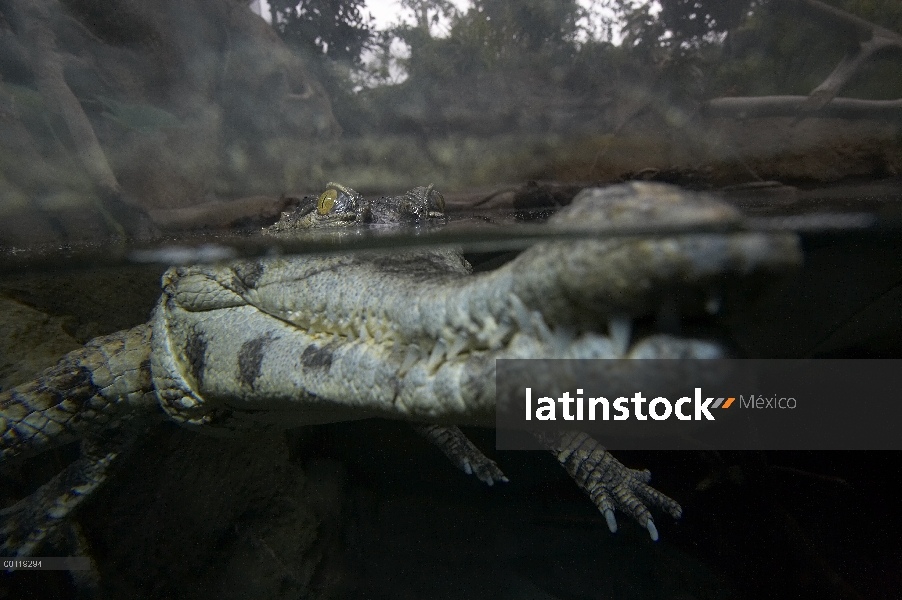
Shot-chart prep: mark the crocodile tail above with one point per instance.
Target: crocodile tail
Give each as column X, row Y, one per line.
column 88, row 390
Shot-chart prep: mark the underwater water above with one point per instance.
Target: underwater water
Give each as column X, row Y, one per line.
column 137, row 138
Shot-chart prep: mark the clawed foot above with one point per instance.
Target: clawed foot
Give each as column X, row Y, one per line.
column 467, row 457
column 611, row 485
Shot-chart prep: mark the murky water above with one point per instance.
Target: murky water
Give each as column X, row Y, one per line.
column 134, row 138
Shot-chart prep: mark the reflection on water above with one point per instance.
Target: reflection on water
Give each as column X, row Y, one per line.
column 472, row 229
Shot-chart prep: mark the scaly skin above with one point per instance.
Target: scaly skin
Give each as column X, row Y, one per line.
column 414, row 335
column 89, row 390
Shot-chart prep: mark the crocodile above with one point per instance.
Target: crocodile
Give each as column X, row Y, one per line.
column 254, row 345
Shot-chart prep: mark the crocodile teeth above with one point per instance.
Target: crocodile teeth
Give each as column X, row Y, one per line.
column 437, row 355
column 497, row 337
column 521, row 315
column 488, row 329
column 620, row 329
column 460, row 343
column 463, row 320
column 544, row 332
column 474, row 328
column 413, row 355
column 491, row 334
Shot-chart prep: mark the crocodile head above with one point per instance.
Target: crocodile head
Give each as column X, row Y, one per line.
column 656, row 283
column 415, row 334
column 340, row 206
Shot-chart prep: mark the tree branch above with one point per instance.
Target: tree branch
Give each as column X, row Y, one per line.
column 823, row 99
column 881, row 41
column 841, row 17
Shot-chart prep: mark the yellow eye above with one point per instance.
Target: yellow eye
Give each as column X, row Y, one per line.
column 326, row 201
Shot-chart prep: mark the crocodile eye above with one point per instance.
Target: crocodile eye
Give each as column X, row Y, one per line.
column 326, row 201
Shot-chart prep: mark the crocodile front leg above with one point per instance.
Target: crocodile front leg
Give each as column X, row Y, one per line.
column 609, row 483
column 87, row 391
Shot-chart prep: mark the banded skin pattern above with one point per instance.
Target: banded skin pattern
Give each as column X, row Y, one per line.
column 413, row 335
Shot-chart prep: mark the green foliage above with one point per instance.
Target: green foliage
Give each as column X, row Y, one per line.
column 527, row 26
column 778, row 49
column 683, row 51
column 331, row 35
column 886, row 13
column 684, row 26
column 775, row 52
column 492, row 34
column 681, row 41
column 710, row 48
column 336, row 29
